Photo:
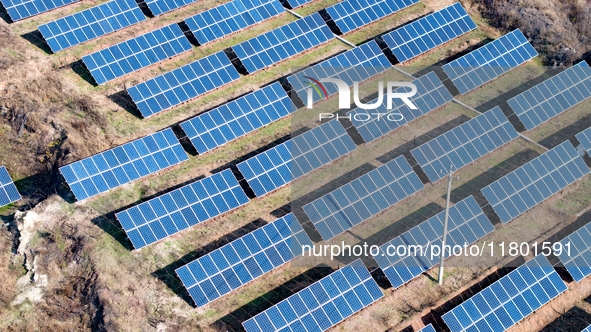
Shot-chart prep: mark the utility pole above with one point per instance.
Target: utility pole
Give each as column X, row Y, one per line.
column 445, row 225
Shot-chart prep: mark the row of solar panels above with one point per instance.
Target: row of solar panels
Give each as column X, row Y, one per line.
column 8, row 192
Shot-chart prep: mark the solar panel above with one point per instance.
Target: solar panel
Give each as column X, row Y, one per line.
column 159, row 7
column 321, row 305
column 115, row 167
column 509, row 300
column 136, row 53
column 298, row 156
column 428, row 328
column 350, row 15
column 182, row 84
column 296, row 3
column 553, row 96
column 429, row 32
column 587, row 329
column 230, row 17
column 8, row 192
column 584, row 138
column 532, row 183
column 489, row 61
column 467, row 224
column 577, row 258
column 243, row 260
column 355, row 65
column 91, row 23
column 282, row 43
column 362, row 198
column 21, row 9
column 464, row 144
column 179, row 209
column 430, row 95
column 238, row 117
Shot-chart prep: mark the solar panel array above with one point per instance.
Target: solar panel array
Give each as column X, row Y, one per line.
column 158, row 7
column 321, row 305
column 238, row 117
column 136, row 53
column 584, row 138
column 282, row 43
column 298, row 156
column 8, row 192
column 296, row 3
column 489, row 61
column 429, row 32
column 91, row 23
column 509, row 300
column 244, row 259
column 355, row 65
column 179, row 209
column 21, row 9
column 467, row 224
column 535, row 181
column 362, row 198
column 182, row 84
column 350, row 15
column 464, row 144
column 428, row 328
column 230, row 17
column 577, row 259
column 115, row 167
column 431, row 94
column 553, row 96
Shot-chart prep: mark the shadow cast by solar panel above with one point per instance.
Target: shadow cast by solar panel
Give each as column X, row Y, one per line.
column 80, row 69
column 4, row 14
column 123, row 100
column 505, row 167
column 394, row 229
column 34, row 37
column 233, row 321
column 109, row 224
column 168, row 276
column 567, row 133
column 574, row 320
column 435, row 315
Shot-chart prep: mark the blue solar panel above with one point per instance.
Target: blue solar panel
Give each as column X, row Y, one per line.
column 297, row 3
column 91, row 23
column 182, row 84
column 429, row 32
column 244, row 260
column 179, row 209
column 362, row 198
column 431, row 94
column 509, row 300
column 464, row 144
column 467, row 224
column 587, row 329
column 230, row 17
column 321, row 305
column 136, row 53
column 584, row 138
column 356, row 65
column 238, row 118
column 553, row 96
column 21, row 9
column 8, row 192
column 158, row 7
column 282, row 43
column 576, row 253
column 428, row 328
column 534, row 182
column 349, row 15
column 489, row 61
column 113, row 168
column 298, row 156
